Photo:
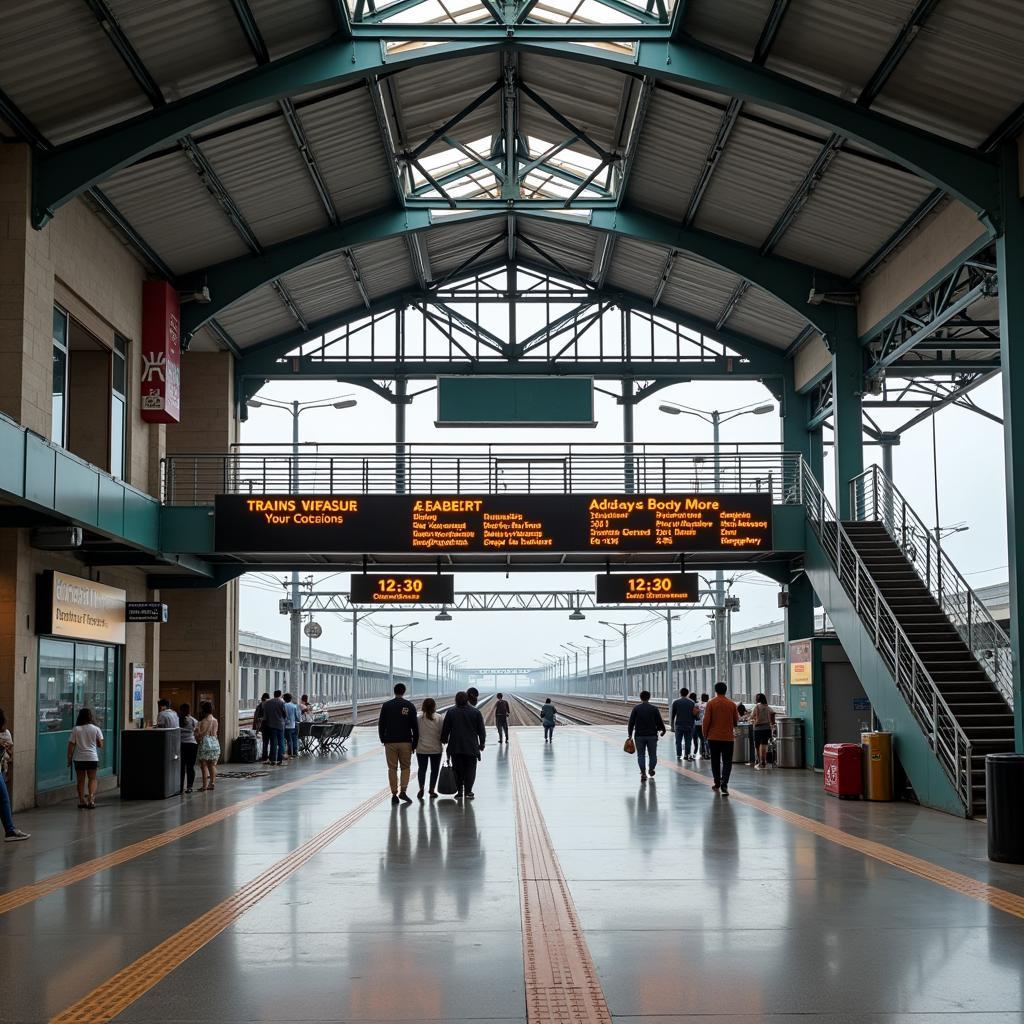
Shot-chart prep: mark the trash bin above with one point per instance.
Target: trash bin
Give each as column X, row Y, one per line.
column 742, row 737
column 150, row 763
column 877, row 750
column 843, row 770
column 1004, row 783
column 789, row 742
column 245, row 747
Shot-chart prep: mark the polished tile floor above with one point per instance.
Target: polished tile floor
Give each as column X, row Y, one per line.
column 694, row 908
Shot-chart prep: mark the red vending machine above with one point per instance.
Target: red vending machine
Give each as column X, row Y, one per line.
column 842, row 770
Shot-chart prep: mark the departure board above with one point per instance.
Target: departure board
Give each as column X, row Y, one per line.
column 647, row 588
column 451, row 524
column 380, row 588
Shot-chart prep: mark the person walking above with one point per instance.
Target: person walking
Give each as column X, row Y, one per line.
column 682, row 720
column 547, row 719
column 291, row 726
column 83, row 751
column 12, row 834
column 720, row 719
column 501, row 713
column 274, row 719
column 260, row 727
column 763, row 719
column 399, row 732
column 472, row 695
column 645, row 723
column 189, row 749
column 428, row 746
column 699, row 739
column 465, row 736
column 209, row 746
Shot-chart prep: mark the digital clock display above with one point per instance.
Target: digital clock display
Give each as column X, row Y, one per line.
column 377, row 588
column 648, row 588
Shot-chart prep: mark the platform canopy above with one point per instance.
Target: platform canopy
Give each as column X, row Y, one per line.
column 309, row 162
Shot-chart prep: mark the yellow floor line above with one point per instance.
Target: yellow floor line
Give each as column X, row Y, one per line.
column 562, row 986
column 36, row 890
column 117, row 993
column 991, row 895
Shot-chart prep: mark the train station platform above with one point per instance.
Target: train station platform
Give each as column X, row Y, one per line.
column 566, row 891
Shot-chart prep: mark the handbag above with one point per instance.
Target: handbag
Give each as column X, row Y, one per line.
column 629, row 746
column 447, row 783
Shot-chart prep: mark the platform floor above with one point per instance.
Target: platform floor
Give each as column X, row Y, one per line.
column 654, row 904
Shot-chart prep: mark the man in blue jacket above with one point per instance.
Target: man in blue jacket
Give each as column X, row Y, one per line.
column 399, row 732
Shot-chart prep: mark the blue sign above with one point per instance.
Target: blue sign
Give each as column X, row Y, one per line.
column 861, row 704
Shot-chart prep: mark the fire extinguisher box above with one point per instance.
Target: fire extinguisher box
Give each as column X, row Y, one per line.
column 843, row 776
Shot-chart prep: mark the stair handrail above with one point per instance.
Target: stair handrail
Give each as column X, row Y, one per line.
column 874, row 497
column 944, row 733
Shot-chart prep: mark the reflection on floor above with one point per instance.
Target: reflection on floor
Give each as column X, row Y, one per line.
column 693, row 907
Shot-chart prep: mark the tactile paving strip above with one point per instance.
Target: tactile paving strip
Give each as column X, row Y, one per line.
column 130, row 983
column 27, row 893
column 562, row 986
column 991, row 895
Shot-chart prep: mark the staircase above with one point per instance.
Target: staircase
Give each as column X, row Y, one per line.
column 970, row 694
column 929, row 655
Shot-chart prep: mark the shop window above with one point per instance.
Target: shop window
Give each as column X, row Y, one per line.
column 118, row 406
column 59, row 405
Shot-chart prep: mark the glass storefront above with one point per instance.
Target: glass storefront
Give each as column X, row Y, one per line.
column 73, row 675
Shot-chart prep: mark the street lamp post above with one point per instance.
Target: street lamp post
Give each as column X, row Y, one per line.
column 392, row 633
column 412, row 664
column 573, row 650
column 603, row 641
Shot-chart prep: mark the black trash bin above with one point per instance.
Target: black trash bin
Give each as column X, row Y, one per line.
column 150, row 763
column 1004, row 786
column 245, row 748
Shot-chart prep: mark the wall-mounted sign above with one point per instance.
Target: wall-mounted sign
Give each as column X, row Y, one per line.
column 800, row 663
column 376, row 588
column 145, row 611
column 79, row 609
column 452, row 524
column 138, row 692
column 647, row 588
column 160, row 393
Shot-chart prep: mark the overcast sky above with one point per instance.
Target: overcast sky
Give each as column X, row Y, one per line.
column 971, row 490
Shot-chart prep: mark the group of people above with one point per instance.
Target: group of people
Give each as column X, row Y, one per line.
column 276, row 721
column 703, row 728
column 199, row 743
column 460, row 731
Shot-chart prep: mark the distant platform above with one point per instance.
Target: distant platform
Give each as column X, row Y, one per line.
column 568, row 891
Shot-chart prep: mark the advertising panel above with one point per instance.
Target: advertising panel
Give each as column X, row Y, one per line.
column 800, row 663
column 160, row 393
column 80, row 609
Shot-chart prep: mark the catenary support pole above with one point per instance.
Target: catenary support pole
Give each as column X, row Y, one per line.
column 668, row 658
column 355, row 668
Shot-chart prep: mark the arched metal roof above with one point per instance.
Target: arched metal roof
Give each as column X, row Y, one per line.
column 308, row 159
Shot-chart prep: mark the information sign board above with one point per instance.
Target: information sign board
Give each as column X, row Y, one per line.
column 378, row 588
column 647, row 588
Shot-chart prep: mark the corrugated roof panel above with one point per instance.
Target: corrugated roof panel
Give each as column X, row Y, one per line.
column 186, row 45
column 263, row 172
column 323, row 288
column 636, row 267
column 571, row 245
column 385, row 267
column 289, row 25
column 677, row 133
column 450, row 246
column 735, row 26
column 258, row 316
column 344, row 136
column 67, row 82
column 699, row 287
column 856, row 206
column 164, row 200
column 755, row 179
column 762, row 316
column 964, row 74
column 428, row 96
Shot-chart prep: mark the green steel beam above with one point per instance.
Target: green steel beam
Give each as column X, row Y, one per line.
column 72, row 168
column 847, row 415
column 790, row 282
column 1010, row 265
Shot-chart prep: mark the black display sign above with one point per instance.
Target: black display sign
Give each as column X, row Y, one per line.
column 379, row 588
column 648, row 588
column 454, row 524
column 145, row 611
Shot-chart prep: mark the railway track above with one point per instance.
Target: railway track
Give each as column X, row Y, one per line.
column 520, row 713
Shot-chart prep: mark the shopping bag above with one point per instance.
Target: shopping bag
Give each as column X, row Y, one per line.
column 447, row 784
column 629, row 746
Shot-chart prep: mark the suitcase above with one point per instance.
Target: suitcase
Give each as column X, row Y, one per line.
column 245, row 749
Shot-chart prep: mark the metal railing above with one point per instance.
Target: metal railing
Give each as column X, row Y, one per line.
column 482, row 469
column 874, row 498
column 944, row 734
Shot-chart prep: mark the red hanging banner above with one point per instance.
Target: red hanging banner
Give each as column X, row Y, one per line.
column 161, row 353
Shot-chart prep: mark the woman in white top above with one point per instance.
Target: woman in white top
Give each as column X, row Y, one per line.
column 428, row 747
column 84, row 749
column 209, row 746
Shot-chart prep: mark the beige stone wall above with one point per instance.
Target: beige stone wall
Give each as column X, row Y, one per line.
column 810, row 360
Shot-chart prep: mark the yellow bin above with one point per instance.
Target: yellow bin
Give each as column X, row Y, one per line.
column 877, row 761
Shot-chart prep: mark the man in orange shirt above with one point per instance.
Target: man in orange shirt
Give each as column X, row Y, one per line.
column 720, row 718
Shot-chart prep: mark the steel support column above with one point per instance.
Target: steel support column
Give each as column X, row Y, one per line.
column 401, row 400
column 847, row 387
column 1010, row 263
column 628, row 468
